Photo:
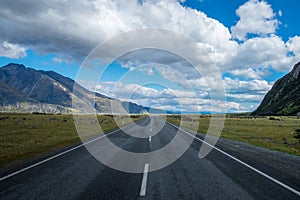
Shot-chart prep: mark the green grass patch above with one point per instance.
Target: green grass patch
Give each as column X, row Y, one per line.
column 24, row 136
column 276, row 133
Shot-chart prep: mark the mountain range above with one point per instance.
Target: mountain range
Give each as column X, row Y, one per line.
column 284, row 96
column 25, row 89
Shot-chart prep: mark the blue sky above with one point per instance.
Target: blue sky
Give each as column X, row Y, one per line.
column 253, row 43
column 224, row 11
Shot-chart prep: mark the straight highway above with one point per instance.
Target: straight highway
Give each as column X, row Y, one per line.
column 76, row 174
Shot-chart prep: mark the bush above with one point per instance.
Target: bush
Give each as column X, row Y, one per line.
column 273, row 118
column 297, row 134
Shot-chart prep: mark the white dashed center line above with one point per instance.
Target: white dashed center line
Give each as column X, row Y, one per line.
column 144, row 181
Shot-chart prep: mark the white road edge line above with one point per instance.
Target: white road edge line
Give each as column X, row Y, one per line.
column 149, row 138
column 241, row 162
column 59, row 154
column 144, row 180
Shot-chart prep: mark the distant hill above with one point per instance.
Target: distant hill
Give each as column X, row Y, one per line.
column 28, row 90
column 284, row 97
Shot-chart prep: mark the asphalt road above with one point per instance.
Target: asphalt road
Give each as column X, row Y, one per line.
column 76, row 174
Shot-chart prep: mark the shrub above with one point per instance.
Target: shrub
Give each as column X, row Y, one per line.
column 297, row 134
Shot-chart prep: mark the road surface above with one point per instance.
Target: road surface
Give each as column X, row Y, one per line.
column 76, row 174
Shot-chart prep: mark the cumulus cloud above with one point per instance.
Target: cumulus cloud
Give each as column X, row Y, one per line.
column 135, row 91
column 247, row 73
column 72, row 29
column 253, row 98
column 186, row 101
column 254, row 86
column 75, row 28
column 167, row 99
column 266, row 52
column 294, row 46
column 12, row 50
column 247, row 93
column 256, row 17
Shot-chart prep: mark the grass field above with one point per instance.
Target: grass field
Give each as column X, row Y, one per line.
column 275, row 133
column 24, row 136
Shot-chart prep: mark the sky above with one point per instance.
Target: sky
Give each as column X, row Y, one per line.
column 251, row 42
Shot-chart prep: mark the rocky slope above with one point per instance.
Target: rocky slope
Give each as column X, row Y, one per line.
column 284, row 97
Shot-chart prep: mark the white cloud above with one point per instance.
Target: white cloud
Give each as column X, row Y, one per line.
column 72, row 30
column 135, row 91
column 250, row 87
column 256, row 17
column 247, row 73
column 57, row 60
column 294, row 46
column 12, row 50
column 187, row 101
column 233, row 105
column 167, row 99
column 75, row 28
column 246, row 97
column 266, row 52
column 248, row 94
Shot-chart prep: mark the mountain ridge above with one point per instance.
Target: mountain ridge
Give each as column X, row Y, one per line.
column 28, row 90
